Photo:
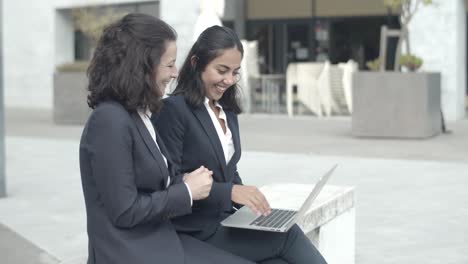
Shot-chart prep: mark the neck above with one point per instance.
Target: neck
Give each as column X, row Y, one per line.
column 211, row 103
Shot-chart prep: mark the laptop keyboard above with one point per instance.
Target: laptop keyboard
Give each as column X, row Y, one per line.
column 276, row 219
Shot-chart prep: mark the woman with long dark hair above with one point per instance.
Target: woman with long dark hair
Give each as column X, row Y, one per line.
column 130, row 188
column 200, row 127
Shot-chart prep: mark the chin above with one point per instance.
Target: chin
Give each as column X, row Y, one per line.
column 217, row 97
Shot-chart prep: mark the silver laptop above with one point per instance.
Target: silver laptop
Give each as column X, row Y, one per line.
column 280, row 220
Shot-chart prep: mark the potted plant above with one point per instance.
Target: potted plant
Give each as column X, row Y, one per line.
column 70, row 81
column 411, row 62
column 395, row 103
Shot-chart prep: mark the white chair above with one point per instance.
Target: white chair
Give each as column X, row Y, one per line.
column 304, row 75
column 322, row 87
column 348, row 69
column 250, row 74
column 325, row 97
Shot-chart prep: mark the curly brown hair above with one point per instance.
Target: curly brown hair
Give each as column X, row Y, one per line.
column 124, row 62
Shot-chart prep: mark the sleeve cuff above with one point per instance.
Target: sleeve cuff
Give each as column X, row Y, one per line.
column 190, row 193
column 222, row 192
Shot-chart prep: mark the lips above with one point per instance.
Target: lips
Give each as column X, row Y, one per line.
column 220, row 89
column 165, row 83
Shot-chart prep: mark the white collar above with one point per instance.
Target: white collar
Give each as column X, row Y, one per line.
column 207, row 103
column 145, row 112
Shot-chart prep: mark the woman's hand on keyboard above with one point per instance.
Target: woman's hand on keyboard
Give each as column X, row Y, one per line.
column 251, row 197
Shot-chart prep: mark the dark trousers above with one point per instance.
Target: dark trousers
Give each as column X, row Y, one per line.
column 267, row 247
column 199, row 252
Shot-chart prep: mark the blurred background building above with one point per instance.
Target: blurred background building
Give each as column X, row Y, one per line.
column 41, row 35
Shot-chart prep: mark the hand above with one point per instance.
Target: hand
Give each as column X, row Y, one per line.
column 251, row 197
column 199, row 182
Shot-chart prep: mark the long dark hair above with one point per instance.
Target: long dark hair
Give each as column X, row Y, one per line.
column 210, row 44
column 124, row 62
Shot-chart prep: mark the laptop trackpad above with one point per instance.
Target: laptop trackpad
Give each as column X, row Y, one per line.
column 242, row 217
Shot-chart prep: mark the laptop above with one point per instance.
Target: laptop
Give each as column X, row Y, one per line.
column 279, row 220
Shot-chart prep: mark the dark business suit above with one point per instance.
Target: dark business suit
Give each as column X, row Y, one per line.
column 128, row 205
column 192, row 141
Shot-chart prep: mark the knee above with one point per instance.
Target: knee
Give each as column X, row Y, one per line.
column 295, row 231
column 294, row 235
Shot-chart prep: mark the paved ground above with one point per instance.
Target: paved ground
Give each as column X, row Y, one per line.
column 16, row 249
column 412, row 203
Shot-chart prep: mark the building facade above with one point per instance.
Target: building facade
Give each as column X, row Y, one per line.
column 38, row 36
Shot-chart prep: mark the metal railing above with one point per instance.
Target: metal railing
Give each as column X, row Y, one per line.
column 268, row 97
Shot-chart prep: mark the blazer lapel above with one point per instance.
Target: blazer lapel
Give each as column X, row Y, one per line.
column 235, row 135
column 149, row 142
column 205, row 120
column 164, row 151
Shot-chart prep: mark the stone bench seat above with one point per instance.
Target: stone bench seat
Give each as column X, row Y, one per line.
column 329, row 222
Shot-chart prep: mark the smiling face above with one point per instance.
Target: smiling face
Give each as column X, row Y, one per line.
column 166, row 71
column 221, row 73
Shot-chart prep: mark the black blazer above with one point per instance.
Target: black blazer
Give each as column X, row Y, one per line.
column 124, row 183
column 192, row 141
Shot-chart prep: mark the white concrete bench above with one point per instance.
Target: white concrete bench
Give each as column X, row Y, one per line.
column 329, row 222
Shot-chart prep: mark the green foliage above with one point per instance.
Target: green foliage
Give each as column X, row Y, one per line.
column 396, row 4
column 406, row 9
column 373, row 65
column 411, row 62
column 77, row 66
column 92, row 20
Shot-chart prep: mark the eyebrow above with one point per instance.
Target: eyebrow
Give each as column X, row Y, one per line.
column 171, row 61
column 227, row 67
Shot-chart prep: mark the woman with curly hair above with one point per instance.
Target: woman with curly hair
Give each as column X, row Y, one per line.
column 130, row 188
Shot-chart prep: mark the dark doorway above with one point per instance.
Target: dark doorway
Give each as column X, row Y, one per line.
column 356, row 38
column 281, row 42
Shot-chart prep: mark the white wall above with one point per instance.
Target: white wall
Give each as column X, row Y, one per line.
column 181, row 17
column 28, row 53
column 438, row 35
column 36, row 37
column 337, row 239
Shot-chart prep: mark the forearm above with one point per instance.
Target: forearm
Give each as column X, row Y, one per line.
column 155, row 207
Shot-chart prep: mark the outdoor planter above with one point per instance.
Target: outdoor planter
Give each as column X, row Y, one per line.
column 70, row 94
column 396, row 104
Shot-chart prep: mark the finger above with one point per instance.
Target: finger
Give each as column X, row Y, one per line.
column 199, row 170
column 207, row 175
column 253, row 208
column 256, row 205
column 210, row 182
column 262, row 199
column 261, row 203
column 255, row 197
column 265, row 204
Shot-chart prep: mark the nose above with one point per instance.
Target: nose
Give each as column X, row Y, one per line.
column 175, row 72
column 229, row 80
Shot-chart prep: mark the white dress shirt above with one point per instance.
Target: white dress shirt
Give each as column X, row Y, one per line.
column 225, row 139
column 145, row 117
